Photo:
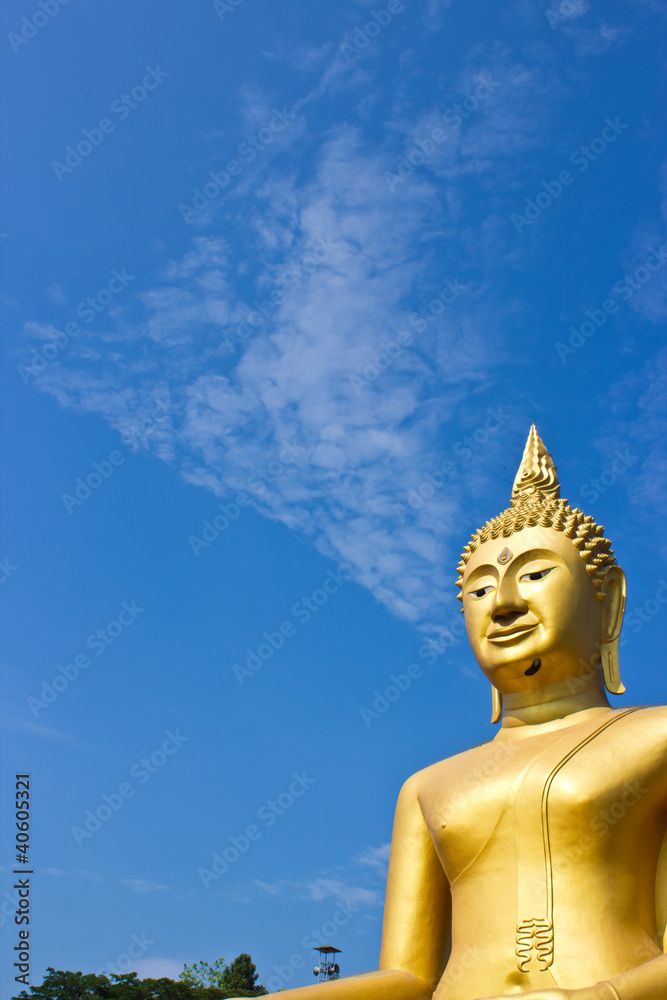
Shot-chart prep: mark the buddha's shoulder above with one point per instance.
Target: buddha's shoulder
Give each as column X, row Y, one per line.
column 647, row 723
column 449, row 767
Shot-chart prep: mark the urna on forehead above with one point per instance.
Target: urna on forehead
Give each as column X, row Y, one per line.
column 536, row 502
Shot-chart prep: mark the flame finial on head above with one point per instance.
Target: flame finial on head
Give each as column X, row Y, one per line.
column 536, row 501
column 537, row 472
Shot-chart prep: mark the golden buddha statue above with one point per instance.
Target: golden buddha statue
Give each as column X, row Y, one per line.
column 534, row 864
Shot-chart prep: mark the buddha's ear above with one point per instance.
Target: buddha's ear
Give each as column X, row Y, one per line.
column 613, row 607
column 496, row 704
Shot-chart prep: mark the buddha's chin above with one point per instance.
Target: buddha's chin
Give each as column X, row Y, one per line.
column 510, row 660
column 511, row 678
column 508, row 671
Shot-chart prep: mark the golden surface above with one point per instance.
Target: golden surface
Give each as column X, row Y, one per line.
column 534, row 864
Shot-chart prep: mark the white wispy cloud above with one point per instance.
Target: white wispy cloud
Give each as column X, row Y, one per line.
column 295, row 342
column 135, row 884
column 601, row 38
column 14, row 718
column 649, row 297
column 361, row 882
column 318, row 889
column 76, row 873
column 222, row 419
column 142, row 885
column 638, row 428
column 376, row 858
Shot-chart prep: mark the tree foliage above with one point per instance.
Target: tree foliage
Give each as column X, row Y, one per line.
column 238, row 979
column 197, row 982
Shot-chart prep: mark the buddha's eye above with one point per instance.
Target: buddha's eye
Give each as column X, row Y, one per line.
column 537, row 575
column 480, row 592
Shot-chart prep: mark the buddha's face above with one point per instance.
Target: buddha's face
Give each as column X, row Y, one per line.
column 536, row 604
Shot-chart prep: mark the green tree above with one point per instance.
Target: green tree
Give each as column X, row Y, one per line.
column 201, row 975
column 238, row 979
column 197, row 982
column 66, row 986
column 241, row 977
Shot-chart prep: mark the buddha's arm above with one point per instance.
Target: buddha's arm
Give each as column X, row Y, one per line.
column 648, row 981
column 416, row 919
column 415, row 931
column 645, row 982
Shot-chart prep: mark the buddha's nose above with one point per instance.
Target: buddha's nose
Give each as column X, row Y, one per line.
column 508, row 602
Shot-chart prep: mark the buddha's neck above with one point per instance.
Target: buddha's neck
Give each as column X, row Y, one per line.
column 554, row 702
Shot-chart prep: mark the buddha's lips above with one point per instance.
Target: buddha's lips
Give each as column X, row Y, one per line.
column 500, row 634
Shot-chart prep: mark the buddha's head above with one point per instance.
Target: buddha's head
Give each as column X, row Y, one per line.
column 542, row 594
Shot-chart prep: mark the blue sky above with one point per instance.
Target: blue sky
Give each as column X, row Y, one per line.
column 284, row 287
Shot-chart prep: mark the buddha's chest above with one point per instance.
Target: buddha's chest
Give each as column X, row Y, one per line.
column 506, row 803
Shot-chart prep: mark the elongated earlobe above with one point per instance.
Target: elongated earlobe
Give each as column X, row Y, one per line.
column 496, row 705
column 610, row 671
column 612, row 619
